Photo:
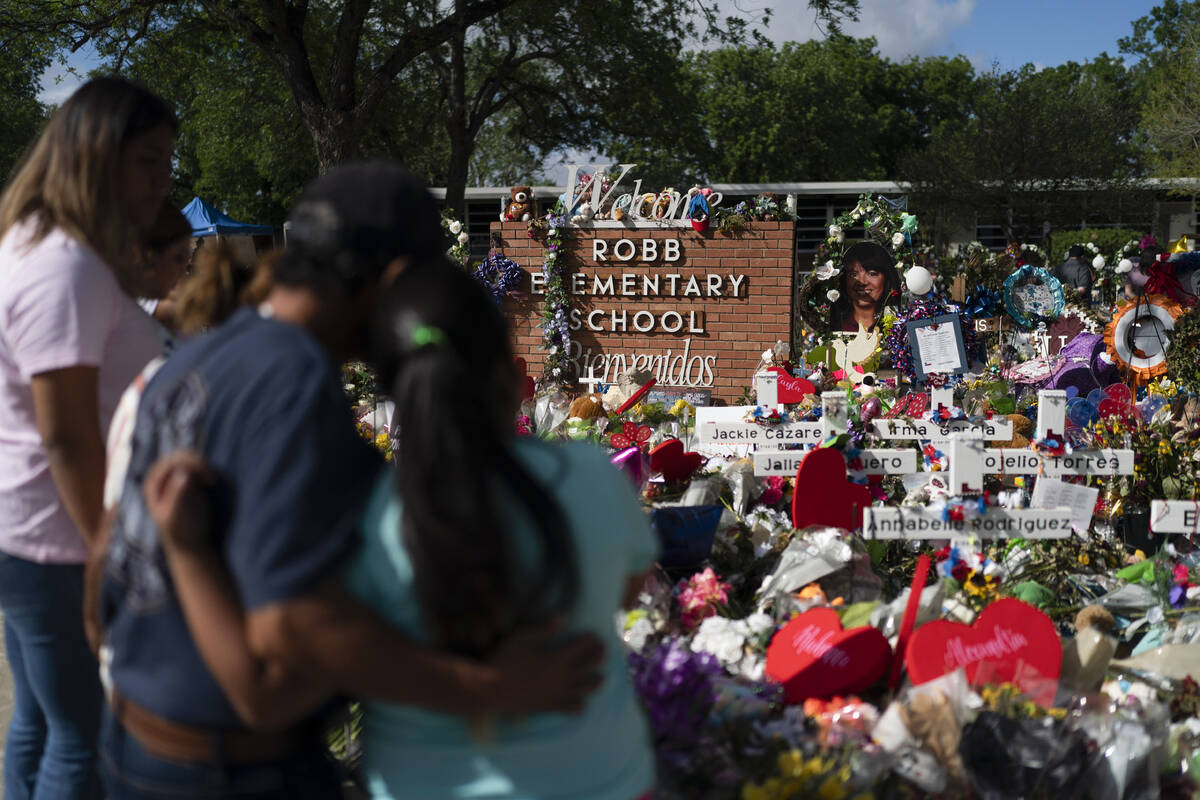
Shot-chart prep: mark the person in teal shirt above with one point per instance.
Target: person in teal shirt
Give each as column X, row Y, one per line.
column 548, row 529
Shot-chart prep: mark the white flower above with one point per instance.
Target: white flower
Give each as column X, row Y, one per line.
column 552, row 232
column 836, row 232
column 1098, row 262
column 897, row 239
column 723, row 638
column 832, row 295
column 455, row 227
column 1125, row 266
column 557, row 371
column 637, row 634
column 827, row 271
column 349, row 387
column 463, row 238
column 760, row 623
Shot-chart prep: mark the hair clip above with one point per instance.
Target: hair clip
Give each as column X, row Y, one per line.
column 423, row 335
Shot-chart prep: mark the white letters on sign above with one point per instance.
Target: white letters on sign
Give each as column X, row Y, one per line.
column 728, row 426
column 919, row 522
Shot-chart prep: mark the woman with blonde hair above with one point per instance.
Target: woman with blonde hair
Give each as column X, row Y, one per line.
column 71, row 339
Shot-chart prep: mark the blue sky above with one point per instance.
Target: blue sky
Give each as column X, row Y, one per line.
column 1007, row 32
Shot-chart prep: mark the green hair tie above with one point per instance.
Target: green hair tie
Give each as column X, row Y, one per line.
column 423, row 335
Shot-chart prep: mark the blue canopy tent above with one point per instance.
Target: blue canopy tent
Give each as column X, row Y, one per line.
column 207, row 221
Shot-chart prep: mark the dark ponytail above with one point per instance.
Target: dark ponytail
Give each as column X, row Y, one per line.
column 442, row 346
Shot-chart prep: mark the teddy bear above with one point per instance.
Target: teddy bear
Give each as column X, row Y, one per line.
column 588, row 406
column 585, row 215
column 520, row 207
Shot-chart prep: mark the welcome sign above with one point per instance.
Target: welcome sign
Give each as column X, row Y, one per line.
column 648, row 294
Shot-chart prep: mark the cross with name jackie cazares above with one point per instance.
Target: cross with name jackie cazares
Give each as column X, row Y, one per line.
column 961, row 440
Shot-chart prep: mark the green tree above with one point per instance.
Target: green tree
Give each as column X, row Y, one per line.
column 1164, row 44
column 818, row 111
column 340, row 63
column 1055, row 147
column 21, row 114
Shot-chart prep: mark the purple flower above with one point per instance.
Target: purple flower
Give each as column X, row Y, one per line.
column 1177, row 596
column 676, row 688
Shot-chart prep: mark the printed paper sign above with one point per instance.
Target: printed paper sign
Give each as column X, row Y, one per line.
column 1053, row 493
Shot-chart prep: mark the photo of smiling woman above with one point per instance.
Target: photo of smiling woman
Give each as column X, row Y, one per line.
column 869, row 282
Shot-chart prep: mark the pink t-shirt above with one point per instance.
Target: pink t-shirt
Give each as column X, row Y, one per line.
column 60, row 306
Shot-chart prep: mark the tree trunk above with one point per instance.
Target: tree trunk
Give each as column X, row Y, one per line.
column 458, row 123
column 335, row 138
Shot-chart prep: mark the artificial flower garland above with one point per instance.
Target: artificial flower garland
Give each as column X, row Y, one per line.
column 556, row 335
column 889, row 227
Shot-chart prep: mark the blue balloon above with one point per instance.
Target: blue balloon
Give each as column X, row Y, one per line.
column 1081, row 412
column 1072, row 392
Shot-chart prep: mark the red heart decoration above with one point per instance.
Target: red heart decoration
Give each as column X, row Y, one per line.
column 823, row 496
column 792, row 390
column 631, row 434
column 674, row 464
column 1010, row 642
column 527, row 385
column 813, row 657
column 913, row 405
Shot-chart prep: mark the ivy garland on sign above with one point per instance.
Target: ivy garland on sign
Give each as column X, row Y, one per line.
column 885, row 224
column 556, row 335
column 460, row 250
column 1183, row 357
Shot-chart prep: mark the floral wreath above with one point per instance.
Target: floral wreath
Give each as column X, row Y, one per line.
column 898, row 345
column 1128, row 250
column 885, row 224
column 499, row 274
column 1140, row 369
column 1049, row 281
column 1029, row 247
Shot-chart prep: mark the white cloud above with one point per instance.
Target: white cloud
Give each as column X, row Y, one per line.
column 902, row 27
column 60, row 81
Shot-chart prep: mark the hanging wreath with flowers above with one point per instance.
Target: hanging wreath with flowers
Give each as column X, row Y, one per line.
column 1029, row 253
column 887, row 225
column 499, row 274
column 460, row 250
column 556, row 335
column 1032, row 295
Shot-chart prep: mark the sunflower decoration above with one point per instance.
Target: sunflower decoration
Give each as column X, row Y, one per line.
column 887, row 225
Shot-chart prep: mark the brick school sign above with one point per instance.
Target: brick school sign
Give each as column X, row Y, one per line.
column 696, row 310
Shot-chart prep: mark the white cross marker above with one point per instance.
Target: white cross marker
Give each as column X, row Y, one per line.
column 591, row 380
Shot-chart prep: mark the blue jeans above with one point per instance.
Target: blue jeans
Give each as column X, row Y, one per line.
column 131, row 773
column 52, row 739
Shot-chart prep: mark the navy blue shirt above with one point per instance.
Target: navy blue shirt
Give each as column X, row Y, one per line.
column 263, row 401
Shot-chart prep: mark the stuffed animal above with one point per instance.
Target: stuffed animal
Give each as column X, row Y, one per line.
column 663, row 203
column 588, row 406
column 646, row 205
column 520, row 207
column 697, row 209
column 585, row 214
